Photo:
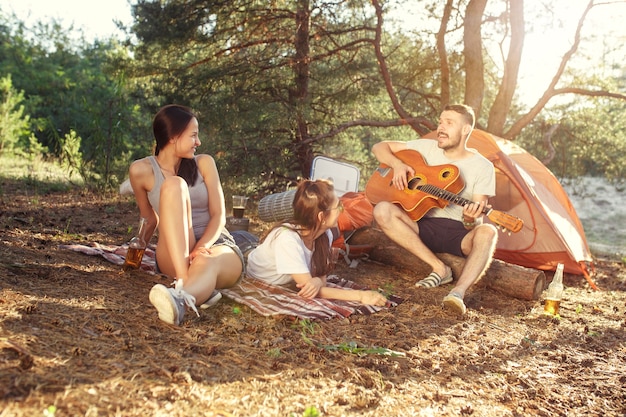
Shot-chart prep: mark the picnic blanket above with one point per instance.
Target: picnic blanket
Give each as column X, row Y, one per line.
column 116, row 254
column 268, row 300
column 264, row 298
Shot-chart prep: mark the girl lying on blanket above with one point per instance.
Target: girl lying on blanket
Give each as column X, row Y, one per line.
column 181, row 193
column 300, row 249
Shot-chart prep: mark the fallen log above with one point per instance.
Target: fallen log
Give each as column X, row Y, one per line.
column 512, row 280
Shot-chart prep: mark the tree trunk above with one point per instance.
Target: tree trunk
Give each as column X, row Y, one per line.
column 504, row 98
column 299, row 94
column 512, row 280
column 443, row 54
column 473, row 55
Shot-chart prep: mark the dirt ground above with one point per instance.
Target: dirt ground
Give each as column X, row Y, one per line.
column 79, row 338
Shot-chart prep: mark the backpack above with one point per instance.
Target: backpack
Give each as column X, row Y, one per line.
column 357, row 213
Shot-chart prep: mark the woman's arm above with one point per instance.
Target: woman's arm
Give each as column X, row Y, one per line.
column 362, row 296
column 217, row 210
column 311, row 287
column 142, row 179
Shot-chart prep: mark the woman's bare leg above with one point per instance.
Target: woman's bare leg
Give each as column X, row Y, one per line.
column 219, row 269
column 175, row 229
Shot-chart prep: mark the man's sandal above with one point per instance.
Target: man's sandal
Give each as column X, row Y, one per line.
column 435, row 280
column 454, row 302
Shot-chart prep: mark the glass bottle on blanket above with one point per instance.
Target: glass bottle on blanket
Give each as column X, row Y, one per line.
column 136, row 247
column 554, row 292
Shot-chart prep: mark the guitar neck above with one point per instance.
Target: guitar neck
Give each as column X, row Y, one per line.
column 448, row 196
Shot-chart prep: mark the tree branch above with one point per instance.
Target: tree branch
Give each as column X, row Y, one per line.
column 382, row 65
column 550, row 91
column 547, row 141
column 591, row 93
column 412, row 121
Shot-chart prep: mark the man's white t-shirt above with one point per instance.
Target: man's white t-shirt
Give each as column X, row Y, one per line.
column 477, row 173
column 281, row 254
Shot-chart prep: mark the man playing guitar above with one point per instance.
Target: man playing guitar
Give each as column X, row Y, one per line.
column 453, row 229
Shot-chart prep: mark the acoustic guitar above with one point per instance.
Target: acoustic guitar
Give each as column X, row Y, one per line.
column 431, row 186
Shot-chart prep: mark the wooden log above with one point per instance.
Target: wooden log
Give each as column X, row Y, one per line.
column 512, row 280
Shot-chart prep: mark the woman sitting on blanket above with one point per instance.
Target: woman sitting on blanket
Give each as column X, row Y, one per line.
column 182, row 194
column 300, row 250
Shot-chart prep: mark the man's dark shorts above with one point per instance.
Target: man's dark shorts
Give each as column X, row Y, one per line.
column 442, row 235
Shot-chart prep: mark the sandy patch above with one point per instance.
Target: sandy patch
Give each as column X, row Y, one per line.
column 601, row 207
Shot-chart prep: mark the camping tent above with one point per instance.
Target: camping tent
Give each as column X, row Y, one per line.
column 525, row 188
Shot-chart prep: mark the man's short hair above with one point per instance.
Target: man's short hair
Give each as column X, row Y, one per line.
column 466, row 111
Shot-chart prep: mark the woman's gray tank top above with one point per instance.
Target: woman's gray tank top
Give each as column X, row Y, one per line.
column 197, row 193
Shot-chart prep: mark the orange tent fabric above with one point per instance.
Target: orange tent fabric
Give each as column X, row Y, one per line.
column 525, row 188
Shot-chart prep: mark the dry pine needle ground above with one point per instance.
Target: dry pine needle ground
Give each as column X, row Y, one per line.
column 79, row 338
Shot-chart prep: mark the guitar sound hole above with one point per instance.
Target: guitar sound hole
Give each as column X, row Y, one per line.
column 414, row 183
column 445, row 174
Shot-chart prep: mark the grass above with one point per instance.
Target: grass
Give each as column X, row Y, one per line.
column 39, row 176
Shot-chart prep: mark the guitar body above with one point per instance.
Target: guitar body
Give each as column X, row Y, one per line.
column 414, row 201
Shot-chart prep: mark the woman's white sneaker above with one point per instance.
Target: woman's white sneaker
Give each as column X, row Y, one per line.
column 171, row 303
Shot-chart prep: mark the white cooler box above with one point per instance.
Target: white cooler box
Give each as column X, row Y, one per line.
column 345, row 177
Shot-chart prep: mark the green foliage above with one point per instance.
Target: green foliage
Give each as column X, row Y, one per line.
column 310, row 411
column 71, row 156
column 269, row 101
column 353, row 347
column 71, row 86
column 50, row 411
column 582, row 145
column 387, row 289
column 13, row 122
column 307, row 328
column 264, row 120
column 33, row 149
column 274, row 353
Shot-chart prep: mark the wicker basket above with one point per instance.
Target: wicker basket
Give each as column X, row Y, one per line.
column 277, row 207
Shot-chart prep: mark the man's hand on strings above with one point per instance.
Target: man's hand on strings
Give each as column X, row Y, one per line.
column 401, row 173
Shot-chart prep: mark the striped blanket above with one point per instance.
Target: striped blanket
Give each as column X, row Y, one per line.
column 264, row 298
column 267, row 299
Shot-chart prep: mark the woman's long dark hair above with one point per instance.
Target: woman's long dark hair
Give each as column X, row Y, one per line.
column 311, row 198
column 170, row 122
